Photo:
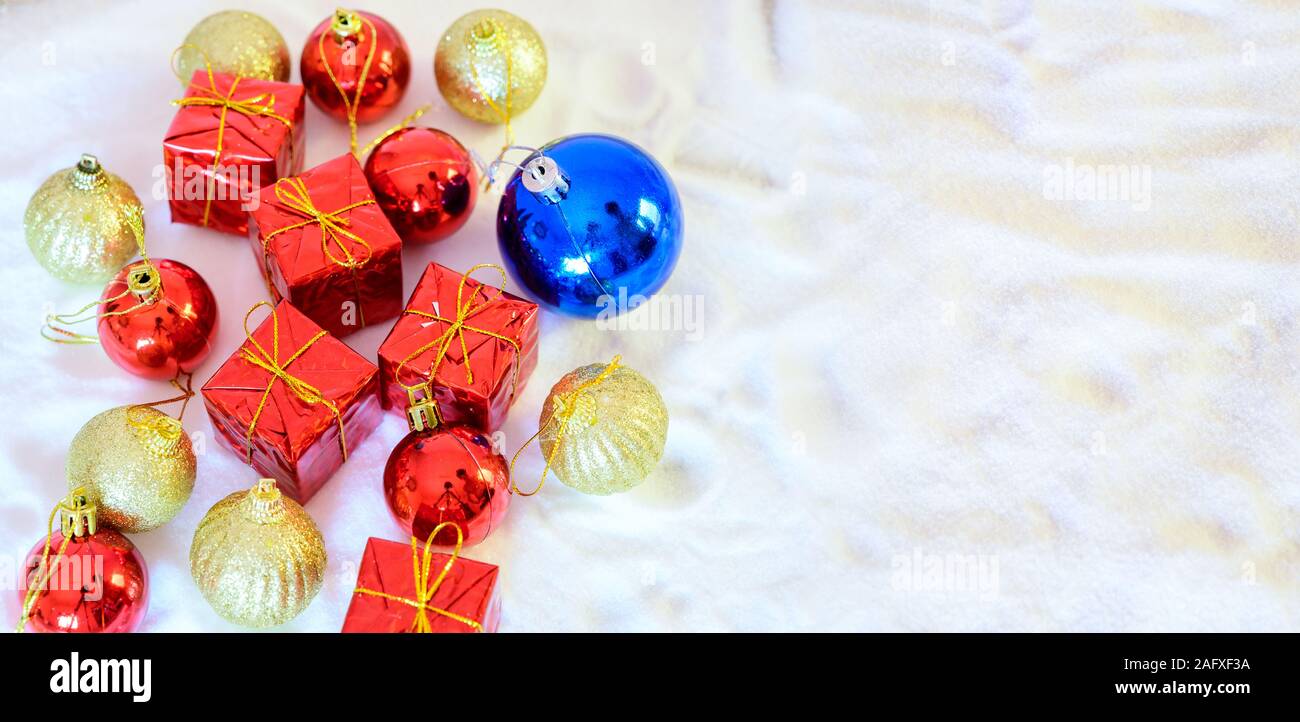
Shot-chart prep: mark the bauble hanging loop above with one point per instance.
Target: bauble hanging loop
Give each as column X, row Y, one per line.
column 345, row 24
column 422, row 409
column 78, row 516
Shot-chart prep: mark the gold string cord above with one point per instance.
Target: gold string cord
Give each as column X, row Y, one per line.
column 145, row 284
column 562, row 411
column 47, row 567
column 292, row 194
column 424, row 589
column 258, row 356
column 166, row 427
column 354, row 103
column 262, row 104
column 456, row 328
column 408, row 120
column 505, row 110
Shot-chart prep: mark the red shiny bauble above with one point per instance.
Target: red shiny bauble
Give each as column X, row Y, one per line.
column 157, row 335
column 343, row 41
column 449, row 474
column 99, row 584
column 425, row 182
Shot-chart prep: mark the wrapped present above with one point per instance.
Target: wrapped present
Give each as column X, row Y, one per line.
column 401, row 588
column 292, row 401
column 327, row 247
column 231, row 137
column 463, row 346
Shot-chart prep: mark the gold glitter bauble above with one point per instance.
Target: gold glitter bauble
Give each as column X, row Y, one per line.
column 235, row 42
column 137, row 465
column 616, row 434
column 258, row 557
column 476, row 56
column 76, row 223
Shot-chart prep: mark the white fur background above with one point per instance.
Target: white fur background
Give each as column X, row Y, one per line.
column 912, row 351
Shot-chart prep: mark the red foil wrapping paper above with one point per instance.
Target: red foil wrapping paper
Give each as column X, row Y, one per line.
column 294, row 441
column 468, row 590
column 256, row 149
column 484, row 402
column 300, row 257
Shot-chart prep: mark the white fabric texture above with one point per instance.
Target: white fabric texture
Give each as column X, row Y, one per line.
column 937, row 385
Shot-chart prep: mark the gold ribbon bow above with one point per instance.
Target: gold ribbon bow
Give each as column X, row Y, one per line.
column 424, row 589
column 258, row 356
column 262, row 104
column 456, row 328
column 143, row 281
column 292, row 194
column 563, row 409
column 46, row 573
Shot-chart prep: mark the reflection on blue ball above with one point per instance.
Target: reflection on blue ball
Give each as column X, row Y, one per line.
column 600, row 233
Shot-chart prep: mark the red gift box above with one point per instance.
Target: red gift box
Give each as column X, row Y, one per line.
column 473, row 344
column 293, row 401
column 403, row 588
column 231, row 137
column 326, row 246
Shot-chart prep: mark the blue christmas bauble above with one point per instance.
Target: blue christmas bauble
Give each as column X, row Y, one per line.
column 590, row 224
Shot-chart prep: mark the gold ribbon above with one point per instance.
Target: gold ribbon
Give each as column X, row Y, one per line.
column 563, row 408
column 262, row 104
column 47, row 568
column 292, row 194
column 352, row 104
column 424, row 590
column 258, row 356
column 168, row 429
column 143, row 281
column 404, row 122
column 456, row 328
